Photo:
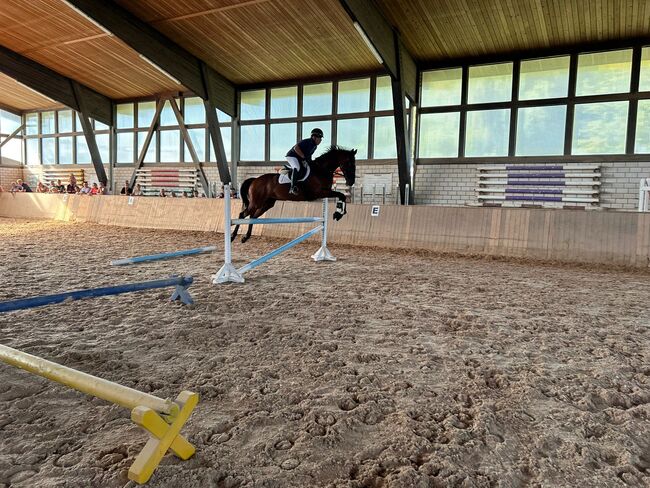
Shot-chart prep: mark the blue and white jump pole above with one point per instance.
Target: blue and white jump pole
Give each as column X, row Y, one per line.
column 164, row 255
column 180, row 293
column 228, row 273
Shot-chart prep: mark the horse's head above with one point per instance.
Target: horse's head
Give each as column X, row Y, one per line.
column 348, row 166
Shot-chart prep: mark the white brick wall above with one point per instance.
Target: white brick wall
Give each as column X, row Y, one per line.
column 8, row 175
column 453, row 184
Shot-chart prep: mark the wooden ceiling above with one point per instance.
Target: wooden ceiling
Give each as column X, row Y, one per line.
column 15, row 96
column 258, row 41
column 440, row 30
column 267, row 41
column 56, row 36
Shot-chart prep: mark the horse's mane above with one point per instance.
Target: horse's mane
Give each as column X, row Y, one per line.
column 332, row 149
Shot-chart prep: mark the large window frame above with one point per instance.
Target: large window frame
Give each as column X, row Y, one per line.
column 571, row 101
column 333, row 117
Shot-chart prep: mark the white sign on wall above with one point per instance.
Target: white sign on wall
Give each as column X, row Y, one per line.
column 374, row 211
column 131, row 200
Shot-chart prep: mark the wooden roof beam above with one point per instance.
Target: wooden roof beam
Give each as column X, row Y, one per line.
column 162, row 52
column 55, row 86
column 385, row 40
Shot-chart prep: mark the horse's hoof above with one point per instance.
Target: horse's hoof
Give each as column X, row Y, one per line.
column 244, row 239
column 337, row 216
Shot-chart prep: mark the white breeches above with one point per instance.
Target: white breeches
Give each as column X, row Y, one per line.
column 293, row 162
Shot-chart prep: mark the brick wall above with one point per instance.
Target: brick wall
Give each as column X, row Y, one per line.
column 8, row 175
column 453, row 184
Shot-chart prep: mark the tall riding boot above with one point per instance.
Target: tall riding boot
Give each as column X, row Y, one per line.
column 294, row 177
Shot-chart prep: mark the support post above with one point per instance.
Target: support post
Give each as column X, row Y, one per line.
column 89, row 133
column 324, row 254
column 227, row 273
column 217, row 142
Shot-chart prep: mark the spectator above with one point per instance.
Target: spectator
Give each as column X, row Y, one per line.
column 233, row 193
column 173, row 194
column 73, row 179
column 60, row 188
column 72, row 187
column 195, row 193
column 22, row 186
column 41, row 188
column 137, row 191
column 85, row 190
column 103, row 190
column 94, row 190
column 126, row 189
column 162, row 193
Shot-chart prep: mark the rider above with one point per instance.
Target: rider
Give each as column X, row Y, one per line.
column 300, row 154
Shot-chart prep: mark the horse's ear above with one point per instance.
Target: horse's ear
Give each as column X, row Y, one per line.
column 354, row 151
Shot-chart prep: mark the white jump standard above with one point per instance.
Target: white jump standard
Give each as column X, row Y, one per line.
column 228, row 273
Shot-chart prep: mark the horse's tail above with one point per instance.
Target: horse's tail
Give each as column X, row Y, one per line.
column 243, row 192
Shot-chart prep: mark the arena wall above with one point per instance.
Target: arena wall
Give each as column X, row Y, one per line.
column 618, row 238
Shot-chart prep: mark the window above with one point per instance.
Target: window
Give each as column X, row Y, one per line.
column 354, row 96
column 12, row 151
column 252, row 143
column 124, row 116
column 103, row 143
column 33, row 157
column 31, row 124
column 65, row 121
column 49, row 150
column 439, row 134
column 8, row 122
column 47, row 123
column 384, row 94
column 642, row 144
column 226, row 134
column 441, row 87
column 540, row 130
column 253, row 105
column 487, row 133
column 284, row 103
column 83, row 154
column 194, row 111
column 170, row 146
column 384, row 143
column 604, row 72
column 223, row 117
column 283, row 138
column 600, row 128
column 125, row 147
column 65, row 149
column 353, row 134
column 490, row 83
column 544, row 78
column 146, row 111
column 317, row 99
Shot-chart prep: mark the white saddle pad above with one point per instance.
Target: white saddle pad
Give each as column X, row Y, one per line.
column 284, row 179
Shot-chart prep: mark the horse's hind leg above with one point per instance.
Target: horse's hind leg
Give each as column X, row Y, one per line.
column 242, row 215
column 256, row 214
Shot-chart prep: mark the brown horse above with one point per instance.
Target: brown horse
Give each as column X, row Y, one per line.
column 260, row 194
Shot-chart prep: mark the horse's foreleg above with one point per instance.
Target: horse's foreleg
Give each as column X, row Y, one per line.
column 242, row 215
column 340, row 204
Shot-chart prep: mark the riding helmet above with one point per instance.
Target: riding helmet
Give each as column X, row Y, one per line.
column 316, row 132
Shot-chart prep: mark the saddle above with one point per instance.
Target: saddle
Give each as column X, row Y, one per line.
column 303, row 173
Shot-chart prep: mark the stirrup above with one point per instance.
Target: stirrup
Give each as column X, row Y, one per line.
column 293, row 190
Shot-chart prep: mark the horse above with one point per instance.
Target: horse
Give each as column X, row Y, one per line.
column 260, row 194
